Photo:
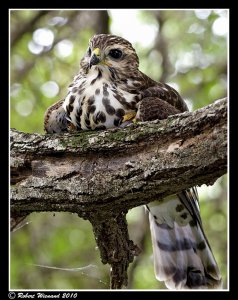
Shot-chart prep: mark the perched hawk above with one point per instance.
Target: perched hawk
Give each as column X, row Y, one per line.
column 109, row 91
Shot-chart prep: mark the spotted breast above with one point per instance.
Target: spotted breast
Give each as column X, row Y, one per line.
column 94, row 101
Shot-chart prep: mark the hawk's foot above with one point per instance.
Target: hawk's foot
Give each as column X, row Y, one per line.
column 131, row 116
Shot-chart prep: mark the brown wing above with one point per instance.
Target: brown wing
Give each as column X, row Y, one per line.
column 162, row 91
column 55, row 118
column 151, row 108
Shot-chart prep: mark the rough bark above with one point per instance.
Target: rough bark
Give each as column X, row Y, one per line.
column 115, row 247
column 100, row 175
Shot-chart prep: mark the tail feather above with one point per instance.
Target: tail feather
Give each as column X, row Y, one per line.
column 182, row 255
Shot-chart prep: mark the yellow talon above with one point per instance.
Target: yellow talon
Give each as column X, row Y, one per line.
column 129, row 117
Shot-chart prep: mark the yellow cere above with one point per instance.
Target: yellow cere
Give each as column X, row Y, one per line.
column 96, row 51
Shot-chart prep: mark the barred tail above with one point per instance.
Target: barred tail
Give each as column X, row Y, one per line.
column 183, row 258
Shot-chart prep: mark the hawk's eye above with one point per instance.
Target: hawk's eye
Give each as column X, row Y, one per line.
column 89, row 52
column 115, row 53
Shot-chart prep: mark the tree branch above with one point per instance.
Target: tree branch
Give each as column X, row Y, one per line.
column 100, row 175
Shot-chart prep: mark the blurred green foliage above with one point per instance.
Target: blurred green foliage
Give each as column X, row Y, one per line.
column 188, row 50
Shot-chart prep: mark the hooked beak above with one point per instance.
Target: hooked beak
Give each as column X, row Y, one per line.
column 95, row 59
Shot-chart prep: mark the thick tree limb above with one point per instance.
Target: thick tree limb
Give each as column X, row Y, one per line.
column 119, row 168
column 100, row 175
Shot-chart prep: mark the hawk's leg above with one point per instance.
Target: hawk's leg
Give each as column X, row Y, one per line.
column 116, row 249
column 129, row 117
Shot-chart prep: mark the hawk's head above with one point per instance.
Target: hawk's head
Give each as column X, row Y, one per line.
column 110, row 52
